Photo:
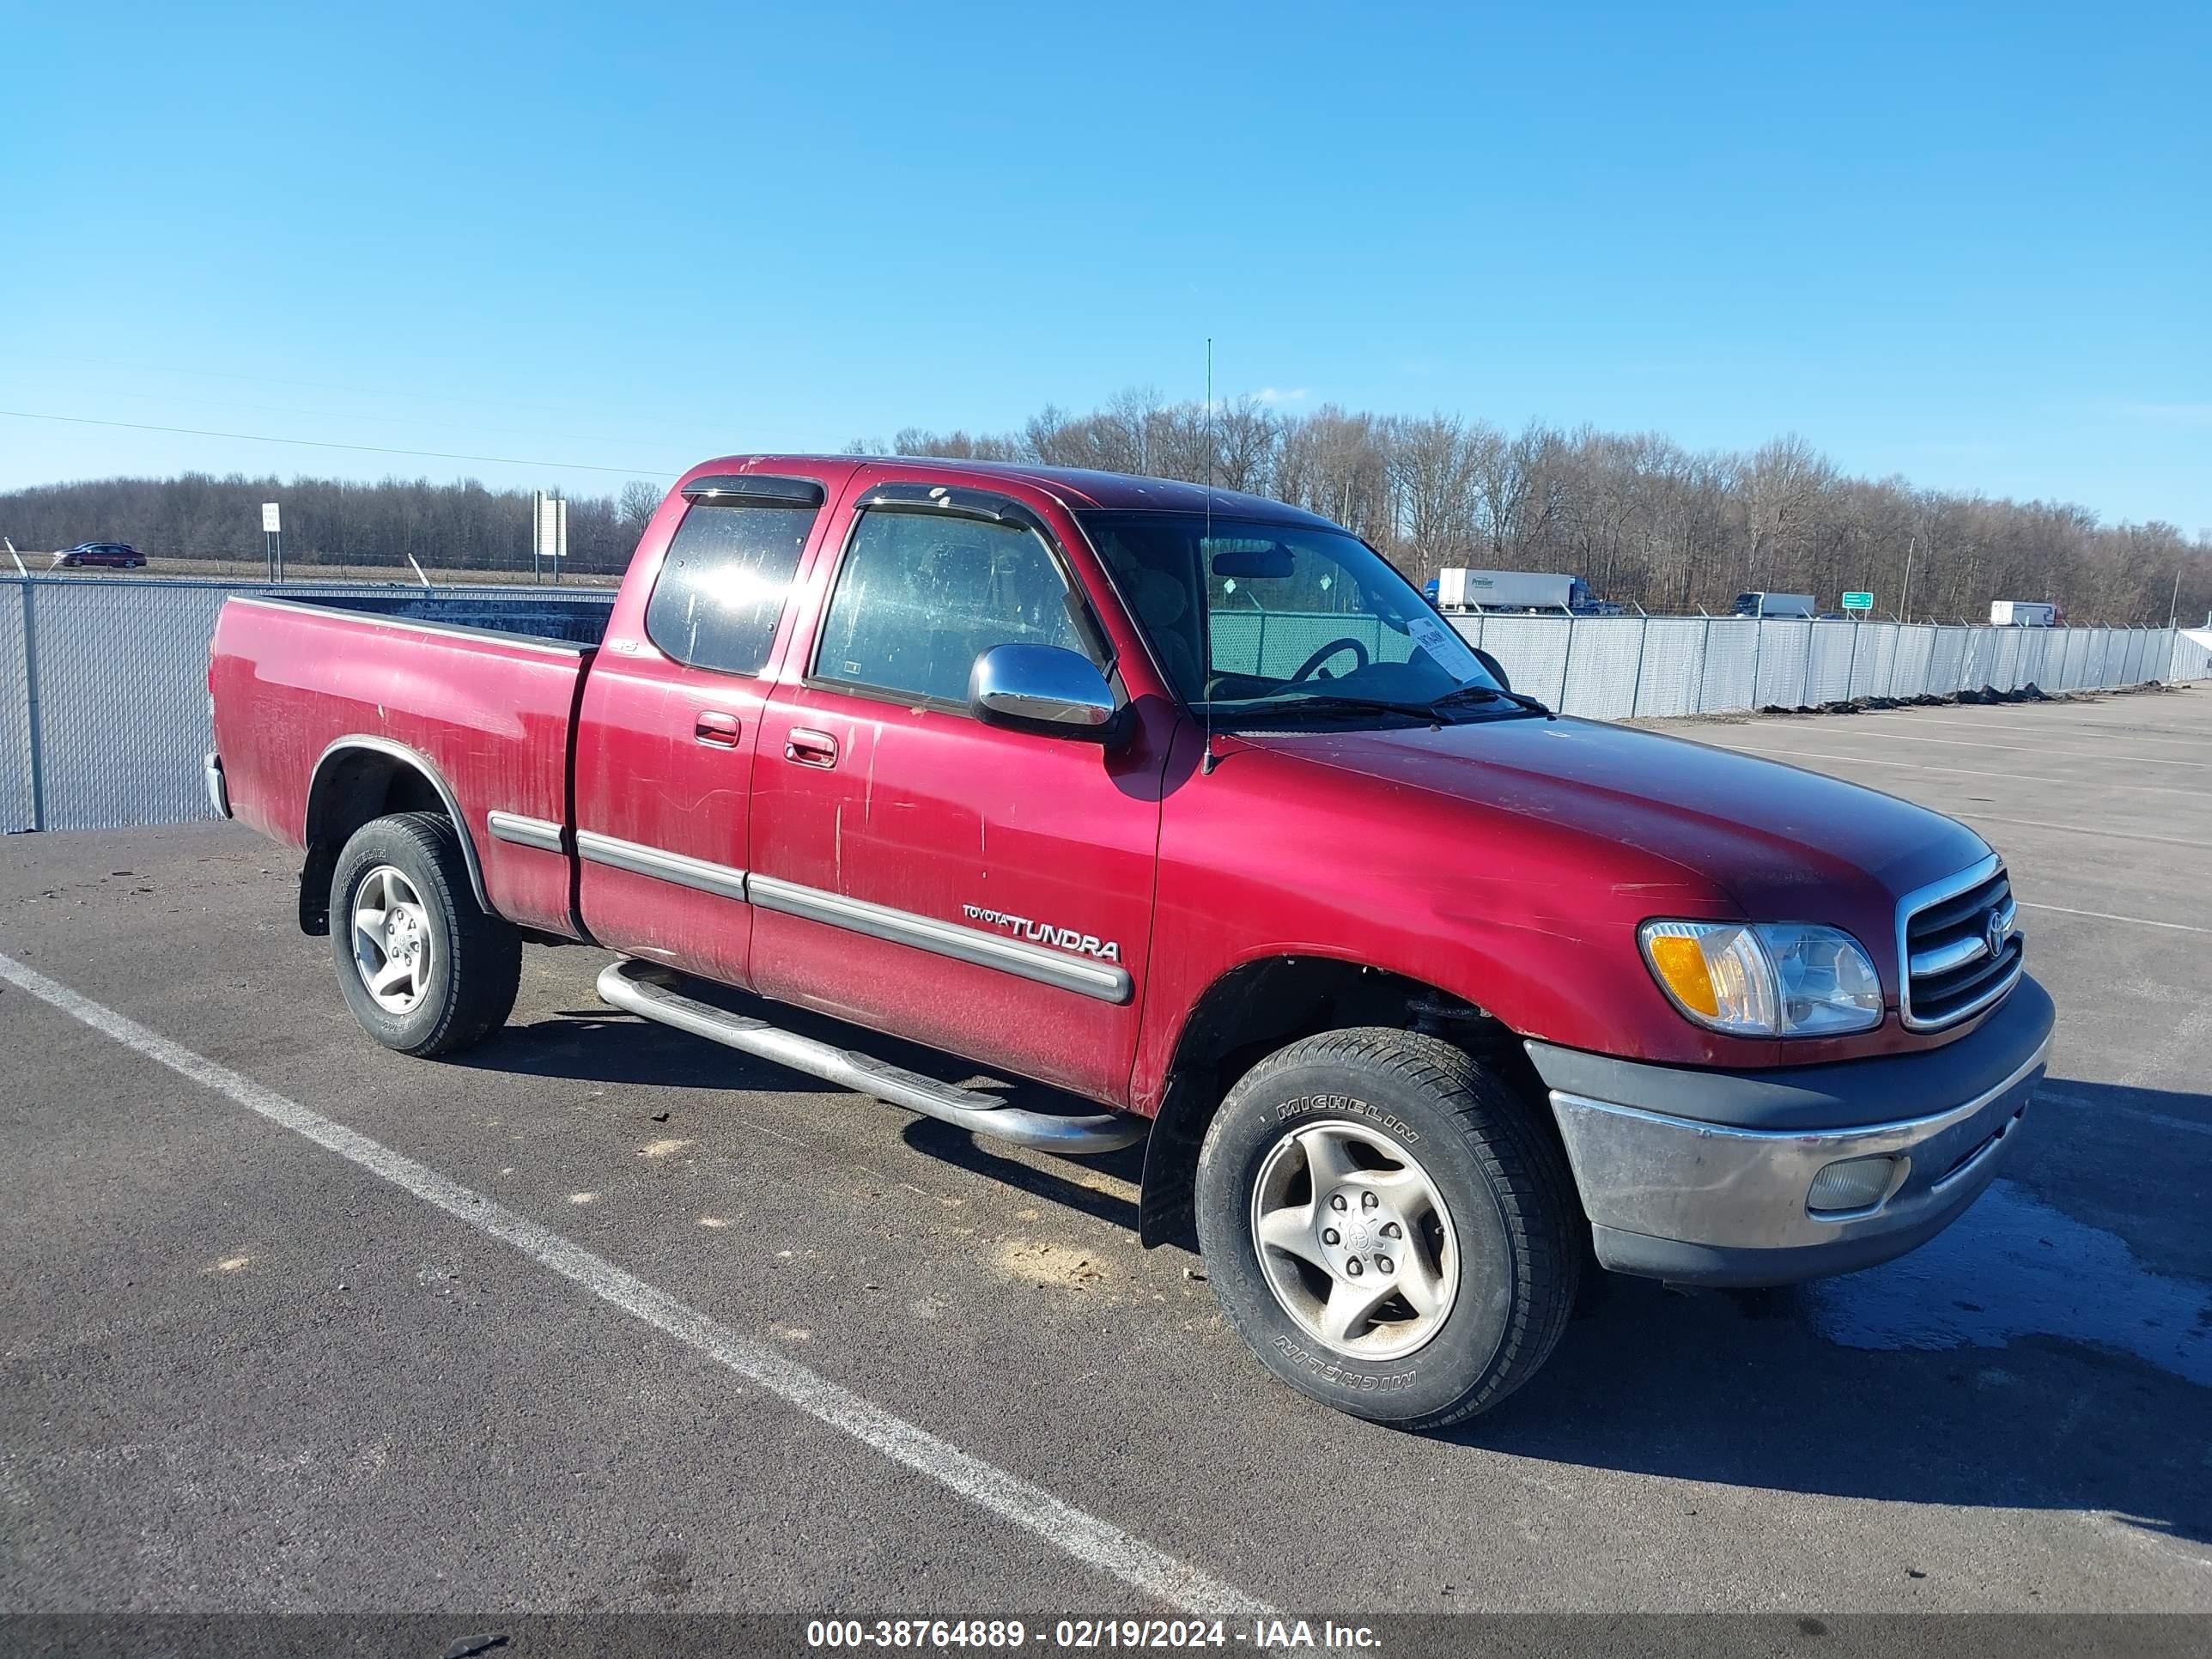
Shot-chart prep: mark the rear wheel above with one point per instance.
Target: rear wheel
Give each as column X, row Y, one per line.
column 1385, row 1222
column 423, row 968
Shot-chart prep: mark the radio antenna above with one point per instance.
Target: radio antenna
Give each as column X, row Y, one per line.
column 1206, row 610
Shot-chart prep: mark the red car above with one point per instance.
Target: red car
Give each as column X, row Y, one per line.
column 1423, row 1000
column 106, row 556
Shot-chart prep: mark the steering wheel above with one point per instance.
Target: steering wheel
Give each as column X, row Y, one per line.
column 1307, row 667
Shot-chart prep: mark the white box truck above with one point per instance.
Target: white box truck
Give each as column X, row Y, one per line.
column 1461, row 589
column 2019, row 613
column 1775, row 605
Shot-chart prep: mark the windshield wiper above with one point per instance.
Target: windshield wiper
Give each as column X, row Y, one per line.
column 1495, row 694
column 1264, row 708
column 1429, row 714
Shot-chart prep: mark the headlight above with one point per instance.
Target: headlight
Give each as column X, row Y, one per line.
column 1765, row 979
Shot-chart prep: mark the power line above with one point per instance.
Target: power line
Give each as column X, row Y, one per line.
column 320, row 443
column 445, row 399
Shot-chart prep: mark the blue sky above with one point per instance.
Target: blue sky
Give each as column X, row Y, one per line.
column 1972, row 246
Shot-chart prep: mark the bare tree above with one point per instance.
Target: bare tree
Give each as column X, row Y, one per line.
column 1639, row 517
column 636, row 505
column 1431, row 466
column 1778, row 486
column 1246, row 436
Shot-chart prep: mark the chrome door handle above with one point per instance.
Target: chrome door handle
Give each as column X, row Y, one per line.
column 811, row 748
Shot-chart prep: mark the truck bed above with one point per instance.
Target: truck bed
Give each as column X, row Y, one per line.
column 578, row 618
column 475, row 695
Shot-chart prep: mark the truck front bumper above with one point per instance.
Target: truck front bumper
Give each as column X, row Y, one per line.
column 1707, row 1178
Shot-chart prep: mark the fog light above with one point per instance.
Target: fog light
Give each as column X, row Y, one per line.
column 1854, row 1184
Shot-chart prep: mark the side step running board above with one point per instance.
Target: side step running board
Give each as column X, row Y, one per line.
column 641, row 989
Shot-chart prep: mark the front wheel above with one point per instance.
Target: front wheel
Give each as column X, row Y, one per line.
column 1385, row 1221
column 423, row 968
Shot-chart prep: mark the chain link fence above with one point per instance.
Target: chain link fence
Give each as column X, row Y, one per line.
column 103, row 692
column 103, row 705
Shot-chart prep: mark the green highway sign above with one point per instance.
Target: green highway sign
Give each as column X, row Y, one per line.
column 1859, row 601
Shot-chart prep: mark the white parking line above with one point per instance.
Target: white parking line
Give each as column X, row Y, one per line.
column 1908, row 766
column 1095, row 1542
column 2107, row 916
column 1972, row 817
column 2000, row 725
column 2043, row 749
column 1957, row 771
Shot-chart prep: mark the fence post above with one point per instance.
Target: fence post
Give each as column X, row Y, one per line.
column 1705, row 664
column 1757, row 645
column 1635, row 685
column 1567, row 662
column 1851, row 674
column 31, row 706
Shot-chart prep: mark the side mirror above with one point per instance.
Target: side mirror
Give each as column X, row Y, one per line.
column 1492, row 667
column 1044, row 688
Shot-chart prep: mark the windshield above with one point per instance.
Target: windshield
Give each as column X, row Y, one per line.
column 1277, row 620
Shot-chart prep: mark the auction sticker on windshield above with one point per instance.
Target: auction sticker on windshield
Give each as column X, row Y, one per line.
column 1451, row 653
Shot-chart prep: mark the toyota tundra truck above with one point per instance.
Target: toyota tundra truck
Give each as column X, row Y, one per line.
column 1425, row 1001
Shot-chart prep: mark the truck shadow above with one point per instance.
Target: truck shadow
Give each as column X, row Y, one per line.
column 600, row 1045
column 1078, row 1189
column 1746, row 1392
column 2023, row 1359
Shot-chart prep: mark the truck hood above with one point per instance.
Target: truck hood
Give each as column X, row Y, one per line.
column 1783, row 843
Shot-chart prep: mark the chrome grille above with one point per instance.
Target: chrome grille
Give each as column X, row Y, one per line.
column 1948, row 969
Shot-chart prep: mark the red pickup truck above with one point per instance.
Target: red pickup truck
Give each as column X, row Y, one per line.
column 1423, row 999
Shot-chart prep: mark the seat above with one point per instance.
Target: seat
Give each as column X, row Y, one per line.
column 1162, row 605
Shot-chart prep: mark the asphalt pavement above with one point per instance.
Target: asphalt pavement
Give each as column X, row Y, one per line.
column 600, row 1316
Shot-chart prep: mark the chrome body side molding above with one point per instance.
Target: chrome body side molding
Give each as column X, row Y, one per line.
column 1105, row 981
column 526, row 832
column 719, row 879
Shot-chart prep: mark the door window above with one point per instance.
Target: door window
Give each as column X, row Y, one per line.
column 722, row 583
column 920, row 595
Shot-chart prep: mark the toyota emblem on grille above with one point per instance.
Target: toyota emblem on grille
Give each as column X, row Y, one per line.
column 1996, row 932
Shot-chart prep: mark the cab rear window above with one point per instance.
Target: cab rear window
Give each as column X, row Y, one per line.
column 723, row 582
